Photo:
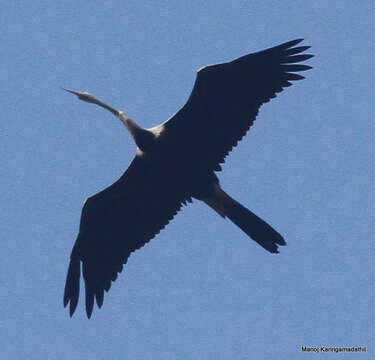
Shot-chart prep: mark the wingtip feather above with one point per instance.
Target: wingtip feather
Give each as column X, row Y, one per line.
column 89, row 302
column 99, row 297
column 291, row 43
column 295, row 67
column 293, row 77
column 71, row 292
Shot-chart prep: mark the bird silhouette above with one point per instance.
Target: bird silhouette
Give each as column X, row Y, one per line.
column 175, row 162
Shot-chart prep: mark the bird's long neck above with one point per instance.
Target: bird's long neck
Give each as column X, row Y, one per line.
column 106, row 106
column 144, row 138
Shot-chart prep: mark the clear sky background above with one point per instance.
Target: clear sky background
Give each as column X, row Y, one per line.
column 201, row 289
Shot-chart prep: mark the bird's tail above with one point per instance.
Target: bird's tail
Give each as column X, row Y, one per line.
column 246, row 220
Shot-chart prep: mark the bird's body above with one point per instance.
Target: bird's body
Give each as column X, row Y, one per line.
column 175, row 162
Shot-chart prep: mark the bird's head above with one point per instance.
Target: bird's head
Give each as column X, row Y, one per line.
column 83, row 95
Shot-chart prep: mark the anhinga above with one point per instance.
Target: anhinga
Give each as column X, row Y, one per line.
column 175, row 162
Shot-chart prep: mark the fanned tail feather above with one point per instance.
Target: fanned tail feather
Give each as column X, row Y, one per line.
column 247, row 221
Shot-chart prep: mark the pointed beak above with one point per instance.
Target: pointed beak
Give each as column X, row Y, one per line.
column 83, row 95
column 72, row 92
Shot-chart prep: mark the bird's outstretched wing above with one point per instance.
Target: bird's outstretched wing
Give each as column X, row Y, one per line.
column 226, row 98
column 116, row 222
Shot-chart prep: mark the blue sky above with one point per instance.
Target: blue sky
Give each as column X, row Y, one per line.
column 201, row 289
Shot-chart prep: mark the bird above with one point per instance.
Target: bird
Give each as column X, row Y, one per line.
column 176, row 162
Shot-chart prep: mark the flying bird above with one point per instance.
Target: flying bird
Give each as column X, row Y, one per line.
column 175, row 162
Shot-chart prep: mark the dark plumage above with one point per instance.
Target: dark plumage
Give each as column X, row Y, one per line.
column 175, row 162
